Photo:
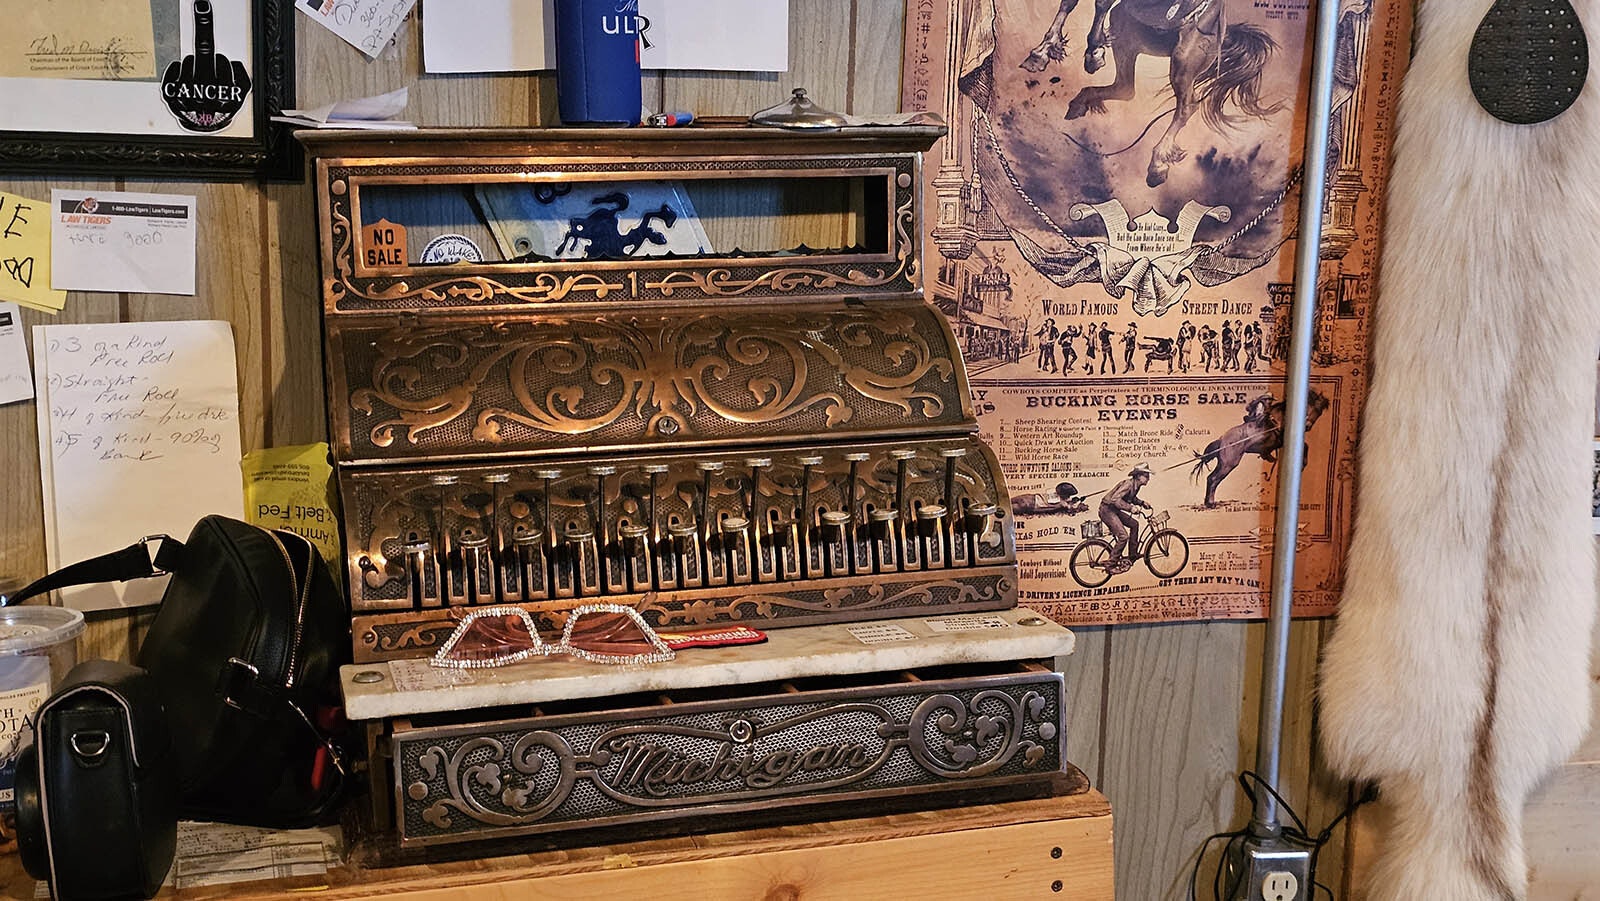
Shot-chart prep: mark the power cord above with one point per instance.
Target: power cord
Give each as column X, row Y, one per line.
column 1225, row 880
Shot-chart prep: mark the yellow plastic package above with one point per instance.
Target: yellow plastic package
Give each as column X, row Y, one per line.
column 292, row 488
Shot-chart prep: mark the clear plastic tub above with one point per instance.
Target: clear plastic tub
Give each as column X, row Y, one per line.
column 38, row 645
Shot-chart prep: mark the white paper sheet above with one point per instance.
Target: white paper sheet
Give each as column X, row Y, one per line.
column 728, row 35
column 122, row 241
column 488, row 35
column 519, row 35
column 367, row 25
column 879, row 633
column 139, row 435
column 41, row 413
column 216, row 854
column 970, row 622
column 422, row 675
column 16, row 382
column 375, row 112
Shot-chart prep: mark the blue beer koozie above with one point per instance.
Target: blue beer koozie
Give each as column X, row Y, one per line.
column 597, row 62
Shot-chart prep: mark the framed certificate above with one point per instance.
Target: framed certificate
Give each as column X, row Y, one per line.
column 147, row 87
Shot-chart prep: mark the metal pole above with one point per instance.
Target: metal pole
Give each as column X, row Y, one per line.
column 1308, row 246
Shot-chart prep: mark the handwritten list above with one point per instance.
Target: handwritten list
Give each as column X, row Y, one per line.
column 139, row 435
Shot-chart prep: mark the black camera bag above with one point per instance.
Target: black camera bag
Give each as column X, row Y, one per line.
column 244, row 653
column 96, row 791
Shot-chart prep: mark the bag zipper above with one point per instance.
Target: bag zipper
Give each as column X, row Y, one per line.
column 302, row 593
column 262, row 650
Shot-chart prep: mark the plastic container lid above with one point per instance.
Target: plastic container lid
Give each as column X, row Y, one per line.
column 27, row 629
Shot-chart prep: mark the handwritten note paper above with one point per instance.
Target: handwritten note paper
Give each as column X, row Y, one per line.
column 366, row 25
column 120, row 241
column 25, row 254
column 16, row 382
column 139, row 435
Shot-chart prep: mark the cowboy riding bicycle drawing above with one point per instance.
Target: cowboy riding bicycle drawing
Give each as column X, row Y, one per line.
column 1164, row 550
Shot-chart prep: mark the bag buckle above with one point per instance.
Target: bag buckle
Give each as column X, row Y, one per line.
column 90, row 746
column 234, row 681
column 145, row 543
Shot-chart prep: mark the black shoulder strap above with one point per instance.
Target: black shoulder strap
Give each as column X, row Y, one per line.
column 132, row 562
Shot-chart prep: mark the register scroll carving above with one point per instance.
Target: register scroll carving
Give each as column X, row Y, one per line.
column 521, row 775
column 649, row 377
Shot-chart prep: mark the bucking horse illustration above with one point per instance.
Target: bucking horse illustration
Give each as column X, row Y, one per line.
column 605, row 237
column 1212, row 63
column 1261, row 434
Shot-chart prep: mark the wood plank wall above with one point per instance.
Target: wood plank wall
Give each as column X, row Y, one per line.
column 1162, row 717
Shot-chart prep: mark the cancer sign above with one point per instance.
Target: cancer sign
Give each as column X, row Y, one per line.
column 206, row 89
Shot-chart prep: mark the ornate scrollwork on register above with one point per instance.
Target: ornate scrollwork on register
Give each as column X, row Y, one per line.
column 769, row 433
column 502, row 386
column 542, row 774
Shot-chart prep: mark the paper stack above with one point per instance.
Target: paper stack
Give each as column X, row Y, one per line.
column 374, row 113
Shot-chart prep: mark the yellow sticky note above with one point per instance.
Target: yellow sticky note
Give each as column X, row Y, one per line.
column 25, row 253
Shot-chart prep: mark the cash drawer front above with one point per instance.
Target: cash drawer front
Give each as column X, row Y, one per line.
column 542, row 774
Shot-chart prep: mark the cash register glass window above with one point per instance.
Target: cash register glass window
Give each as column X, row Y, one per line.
column 444, row 222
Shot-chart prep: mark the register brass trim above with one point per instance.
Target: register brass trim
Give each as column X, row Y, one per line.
column 350, row 286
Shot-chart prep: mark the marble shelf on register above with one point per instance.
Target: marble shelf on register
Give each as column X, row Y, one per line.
column 787, row 654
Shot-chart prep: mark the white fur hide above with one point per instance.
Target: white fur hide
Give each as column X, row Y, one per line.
column 1456, row 677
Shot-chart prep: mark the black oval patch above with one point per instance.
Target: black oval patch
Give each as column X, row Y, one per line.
column 1529, row 60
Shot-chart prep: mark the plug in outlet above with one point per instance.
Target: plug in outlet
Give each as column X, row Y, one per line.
column 1281, row 885
column 1273, row 869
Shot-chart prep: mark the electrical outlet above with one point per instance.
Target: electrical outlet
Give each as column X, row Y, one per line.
column 1273, row 870
column 1281, row 885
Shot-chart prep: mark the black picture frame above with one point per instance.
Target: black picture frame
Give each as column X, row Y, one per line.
column 272, row 154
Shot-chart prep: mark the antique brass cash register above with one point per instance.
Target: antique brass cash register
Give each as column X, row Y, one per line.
column 690, row 372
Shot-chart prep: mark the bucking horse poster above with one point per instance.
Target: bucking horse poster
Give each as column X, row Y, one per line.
column 1112, row 237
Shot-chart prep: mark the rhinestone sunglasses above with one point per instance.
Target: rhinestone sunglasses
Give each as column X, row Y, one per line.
column 598, row 633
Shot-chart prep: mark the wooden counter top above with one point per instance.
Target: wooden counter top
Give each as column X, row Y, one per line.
column 1015, row 850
